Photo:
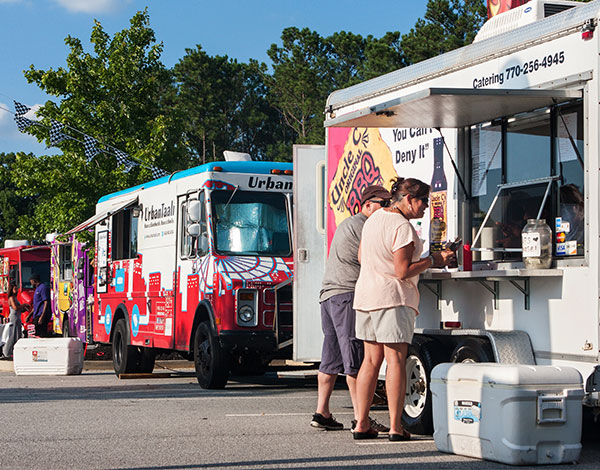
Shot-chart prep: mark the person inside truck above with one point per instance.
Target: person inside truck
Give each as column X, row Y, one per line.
column 342, row 352
column 41, row 306
column 387, row 299
column 572, row 211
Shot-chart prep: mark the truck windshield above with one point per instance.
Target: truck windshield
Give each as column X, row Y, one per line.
column 250, row 223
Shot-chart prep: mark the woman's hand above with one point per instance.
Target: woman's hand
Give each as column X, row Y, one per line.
column 443, row 258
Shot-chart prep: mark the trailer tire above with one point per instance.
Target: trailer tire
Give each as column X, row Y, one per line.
column 211, row 362
column 423, row 355
column 473, row 350
column 126, row 358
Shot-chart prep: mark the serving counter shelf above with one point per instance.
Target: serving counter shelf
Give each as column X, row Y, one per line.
column 489, row 279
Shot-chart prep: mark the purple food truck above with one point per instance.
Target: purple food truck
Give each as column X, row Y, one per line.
column 72, row 277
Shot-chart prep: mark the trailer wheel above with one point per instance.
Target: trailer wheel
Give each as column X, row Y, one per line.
column 212, row 364
column 147, row 357
column 473, row 350
column 125, row 357
column 423, row 355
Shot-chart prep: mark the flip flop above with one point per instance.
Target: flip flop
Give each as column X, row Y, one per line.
column 405, row 436
column 370, row 434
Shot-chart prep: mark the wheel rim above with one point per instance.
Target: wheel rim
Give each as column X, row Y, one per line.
column 119, row 348
column 204, row 354
column 416, row 387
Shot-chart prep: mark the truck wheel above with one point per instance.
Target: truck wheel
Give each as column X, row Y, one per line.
column 125, row 357
column 147, row 357
column 212, row 365
column 473, row 350
column 65, row 329
column 423, row 355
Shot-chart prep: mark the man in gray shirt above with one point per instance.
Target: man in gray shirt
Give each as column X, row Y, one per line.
column 342, row 351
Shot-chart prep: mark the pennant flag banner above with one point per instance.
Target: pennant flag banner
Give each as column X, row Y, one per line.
column 20, row 109
column 122, row 159
column 90, row 146
column 56, row 134
column 158, row 173
column 23, row 123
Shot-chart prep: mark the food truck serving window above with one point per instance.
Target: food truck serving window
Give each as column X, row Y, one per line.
column 250, row 223
column 125, row 234
column 523, row 166
column 66, row 263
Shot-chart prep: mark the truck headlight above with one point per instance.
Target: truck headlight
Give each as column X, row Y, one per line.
column 246, row 314
column 247, row 307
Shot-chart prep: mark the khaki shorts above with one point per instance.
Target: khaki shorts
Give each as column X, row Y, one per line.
column 388, row 325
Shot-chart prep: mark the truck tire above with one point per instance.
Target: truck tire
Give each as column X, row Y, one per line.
column 473, row 350
column 211, row 362
column 423, row 355
column 147, row 357
column 125, row 357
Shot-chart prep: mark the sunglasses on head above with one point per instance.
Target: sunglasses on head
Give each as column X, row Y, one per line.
column 381, row 202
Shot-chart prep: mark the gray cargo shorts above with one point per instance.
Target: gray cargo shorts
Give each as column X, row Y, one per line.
column 342, row 351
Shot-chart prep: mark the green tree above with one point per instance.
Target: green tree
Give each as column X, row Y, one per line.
column 12, row 206
column 447, row 25
column 121, row 95
column 308, row 67
column 225, row 106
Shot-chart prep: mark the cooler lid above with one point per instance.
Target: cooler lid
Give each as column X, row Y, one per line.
column 507, row 374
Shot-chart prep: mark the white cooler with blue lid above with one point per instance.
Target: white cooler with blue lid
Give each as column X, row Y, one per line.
column 509, row 413
column 48, row 356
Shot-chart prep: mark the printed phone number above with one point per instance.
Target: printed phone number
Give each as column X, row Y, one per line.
column 535, row 65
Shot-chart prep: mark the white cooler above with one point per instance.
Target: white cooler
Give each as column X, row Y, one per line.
column 514, row 414
column 48, row 356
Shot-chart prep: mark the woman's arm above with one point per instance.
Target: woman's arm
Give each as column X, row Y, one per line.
column 405, row 268
column 14, row 303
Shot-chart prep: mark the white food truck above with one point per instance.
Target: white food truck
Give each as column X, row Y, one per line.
column 506, row 130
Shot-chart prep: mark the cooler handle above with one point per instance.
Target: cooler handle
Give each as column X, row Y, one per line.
column 551, row 409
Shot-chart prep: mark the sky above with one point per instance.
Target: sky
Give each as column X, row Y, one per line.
column 33, row 32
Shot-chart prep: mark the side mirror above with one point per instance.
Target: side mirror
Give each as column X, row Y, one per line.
column 203, row 243
column 193, row 230
column 193, row 210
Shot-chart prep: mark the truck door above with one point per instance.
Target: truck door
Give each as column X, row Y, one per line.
column 309, row 249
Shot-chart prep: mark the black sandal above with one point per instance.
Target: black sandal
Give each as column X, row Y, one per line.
column 405, row 436
column 370, row 434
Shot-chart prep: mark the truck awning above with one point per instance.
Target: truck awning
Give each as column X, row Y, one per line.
column 104, row 214
column 451, row 107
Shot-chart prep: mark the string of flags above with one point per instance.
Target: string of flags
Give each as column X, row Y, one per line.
column 91, row 146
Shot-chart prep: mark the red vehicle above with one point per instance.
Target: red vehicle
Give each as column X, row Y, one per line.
column 18, row 261
column 199, row 263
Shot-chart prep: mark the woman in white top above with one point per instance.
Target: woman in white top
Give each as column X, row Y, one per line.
column 387, row 299
column 14, row 319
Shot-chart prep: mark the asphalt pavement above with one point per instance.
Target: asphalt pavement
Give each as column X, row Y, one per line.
column 97, row 421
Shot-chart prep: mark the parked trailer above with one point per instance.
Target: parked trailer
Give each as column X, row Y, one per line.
column 72, row 281
column 505, row 129
column 197, row 262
